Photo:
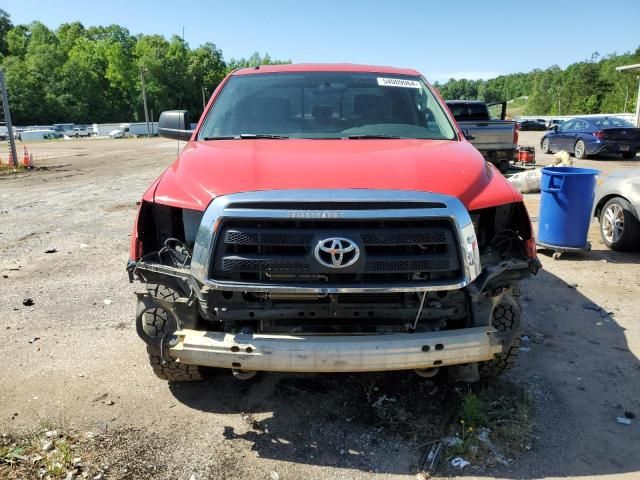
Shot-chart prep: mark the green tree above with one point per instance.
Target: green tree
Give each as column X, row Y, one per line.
column 5, row 26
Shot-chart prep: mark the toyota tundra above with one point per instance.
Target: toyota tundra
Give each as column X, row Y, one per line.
column 328, row 218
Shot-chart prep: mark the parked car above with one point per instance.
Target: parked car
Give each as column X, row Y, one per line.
column 617, row 206
column 585, row 136
column 525, row 125
column 553, row 123
column 119, row 133
column 496, row 138
column 328, row 218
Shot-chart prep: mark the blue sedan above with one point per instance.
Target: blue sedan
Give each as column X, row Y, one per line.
column 584, row 136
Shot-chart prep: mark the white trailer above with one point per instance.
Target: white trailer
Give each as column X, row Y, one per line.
column 103, row 129
column 137, row 128
column 41, row 134
column 140, row 128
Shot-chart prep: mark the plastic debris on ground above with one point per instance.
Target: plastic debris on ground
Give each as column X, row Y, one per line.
column 432, row 456
column 529, row 181
column 452, row 441
column 459, row 462
column 623, row 420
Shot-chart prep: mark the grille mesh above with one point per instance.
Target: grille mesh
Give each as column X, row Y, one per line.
column 405, row 238
column 267, row 238
column 391, row 251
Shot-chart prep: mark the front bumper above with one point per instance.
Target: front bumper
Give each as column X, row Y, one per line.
column 339, row 353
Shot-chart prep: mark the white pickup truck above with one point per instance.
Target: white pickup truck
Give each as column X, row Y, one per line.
column 494, row 137
column 78, row 132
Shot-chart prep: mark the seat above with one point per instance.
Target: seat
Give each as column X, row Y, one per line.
column 268, row 115
column 372, row 108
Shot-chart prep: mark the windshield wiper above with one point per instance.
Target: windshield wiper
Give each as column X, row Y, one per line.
column 365, row 136
column 247, row 136
column 260, row 135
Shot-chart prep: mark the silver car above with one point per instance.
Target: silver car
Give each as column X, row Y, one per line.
column 617, row 206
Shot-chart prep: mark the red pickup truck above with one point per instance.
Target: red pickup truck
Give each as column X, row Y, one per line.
column 328, row 218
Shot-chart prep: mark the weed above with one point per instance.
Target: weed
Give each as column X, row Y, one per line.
column 10, row 454
column 473, row 411
column 8, row 169
column 60, row 460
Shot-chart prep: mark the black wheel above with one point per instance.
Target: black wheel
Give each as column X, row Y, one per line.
column 158, row 322
column 619, row 227
column 506, row 318
column 579, row 150
column 629, row 155
column 545, row 145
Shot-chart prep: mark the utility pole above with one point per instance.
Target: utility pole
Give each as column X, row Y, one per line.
column 4, row 96
column 626, row 98
column 144, row 101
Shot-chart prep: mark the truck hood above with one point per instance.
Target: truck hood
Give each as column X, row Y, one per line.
column 208, row 169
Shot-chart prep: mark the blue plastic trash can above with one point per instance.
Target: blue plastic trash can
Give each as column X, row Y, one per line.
column 566, row 202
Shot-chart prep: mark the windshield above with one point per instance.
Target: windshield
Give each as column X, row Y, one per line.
column 326, row 105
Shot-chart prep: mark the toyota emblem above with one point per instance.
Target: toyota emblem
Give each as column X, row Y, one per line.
column 337, row 252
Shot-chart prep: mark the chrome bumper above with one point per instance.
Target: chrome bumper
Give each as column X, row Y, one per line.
column 334, row 353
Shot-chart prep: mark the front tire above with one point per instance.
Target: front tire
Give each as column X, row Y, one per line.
column 506, row 318
column 545, row 145
column 619, row 227
column 158, row 322
column 580, row 150
column 629, row 155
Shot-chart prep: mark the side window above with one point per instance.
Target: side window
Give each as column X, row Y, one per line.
column 569, row 125
column 580, row 125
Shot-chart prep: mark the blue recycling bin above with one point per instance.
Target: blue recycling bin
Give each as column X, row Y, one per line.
column 566, row 202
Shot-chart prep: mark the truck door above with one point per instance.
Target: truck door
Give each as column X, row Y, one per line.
column 497, row 110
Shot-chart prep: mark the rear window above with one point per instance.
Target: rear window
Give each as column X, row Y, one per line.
column 464, row 112
column 611, row 122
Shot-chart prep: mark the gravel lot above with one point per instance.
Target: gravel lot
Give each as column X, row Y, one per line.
column 72, row 360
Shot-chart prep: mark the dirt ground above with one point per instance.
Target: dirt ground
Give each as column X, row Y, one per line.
column 72, row 360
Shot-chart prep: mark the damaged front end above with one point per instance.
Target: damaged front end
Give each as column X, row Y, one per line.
column 436, row 285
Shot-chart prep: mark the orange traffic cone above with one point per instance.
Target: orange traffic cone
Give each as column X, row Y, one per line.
column 25, row 158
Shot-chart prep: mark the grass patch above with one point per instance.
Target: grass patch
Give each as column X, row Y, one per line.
column 473, row 411
column 60, row 461
column 54, row 454
column 493, row 426
column 10, row 454
column 516, row 107
column 9, row 169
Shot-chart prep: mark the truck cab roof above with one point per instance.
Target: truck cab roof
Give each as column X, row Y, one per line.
column 325, row 67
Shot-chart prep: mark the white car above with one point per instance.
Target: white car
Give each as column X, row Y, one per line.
column 118, row 133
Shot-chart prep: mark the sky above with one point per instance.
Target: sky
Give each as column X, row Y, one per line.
column 460, row 39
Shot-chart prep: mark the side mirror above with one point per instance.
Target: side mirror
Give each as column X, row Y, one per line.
column 175, row 124
column 555, row 128
column 467, row 135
